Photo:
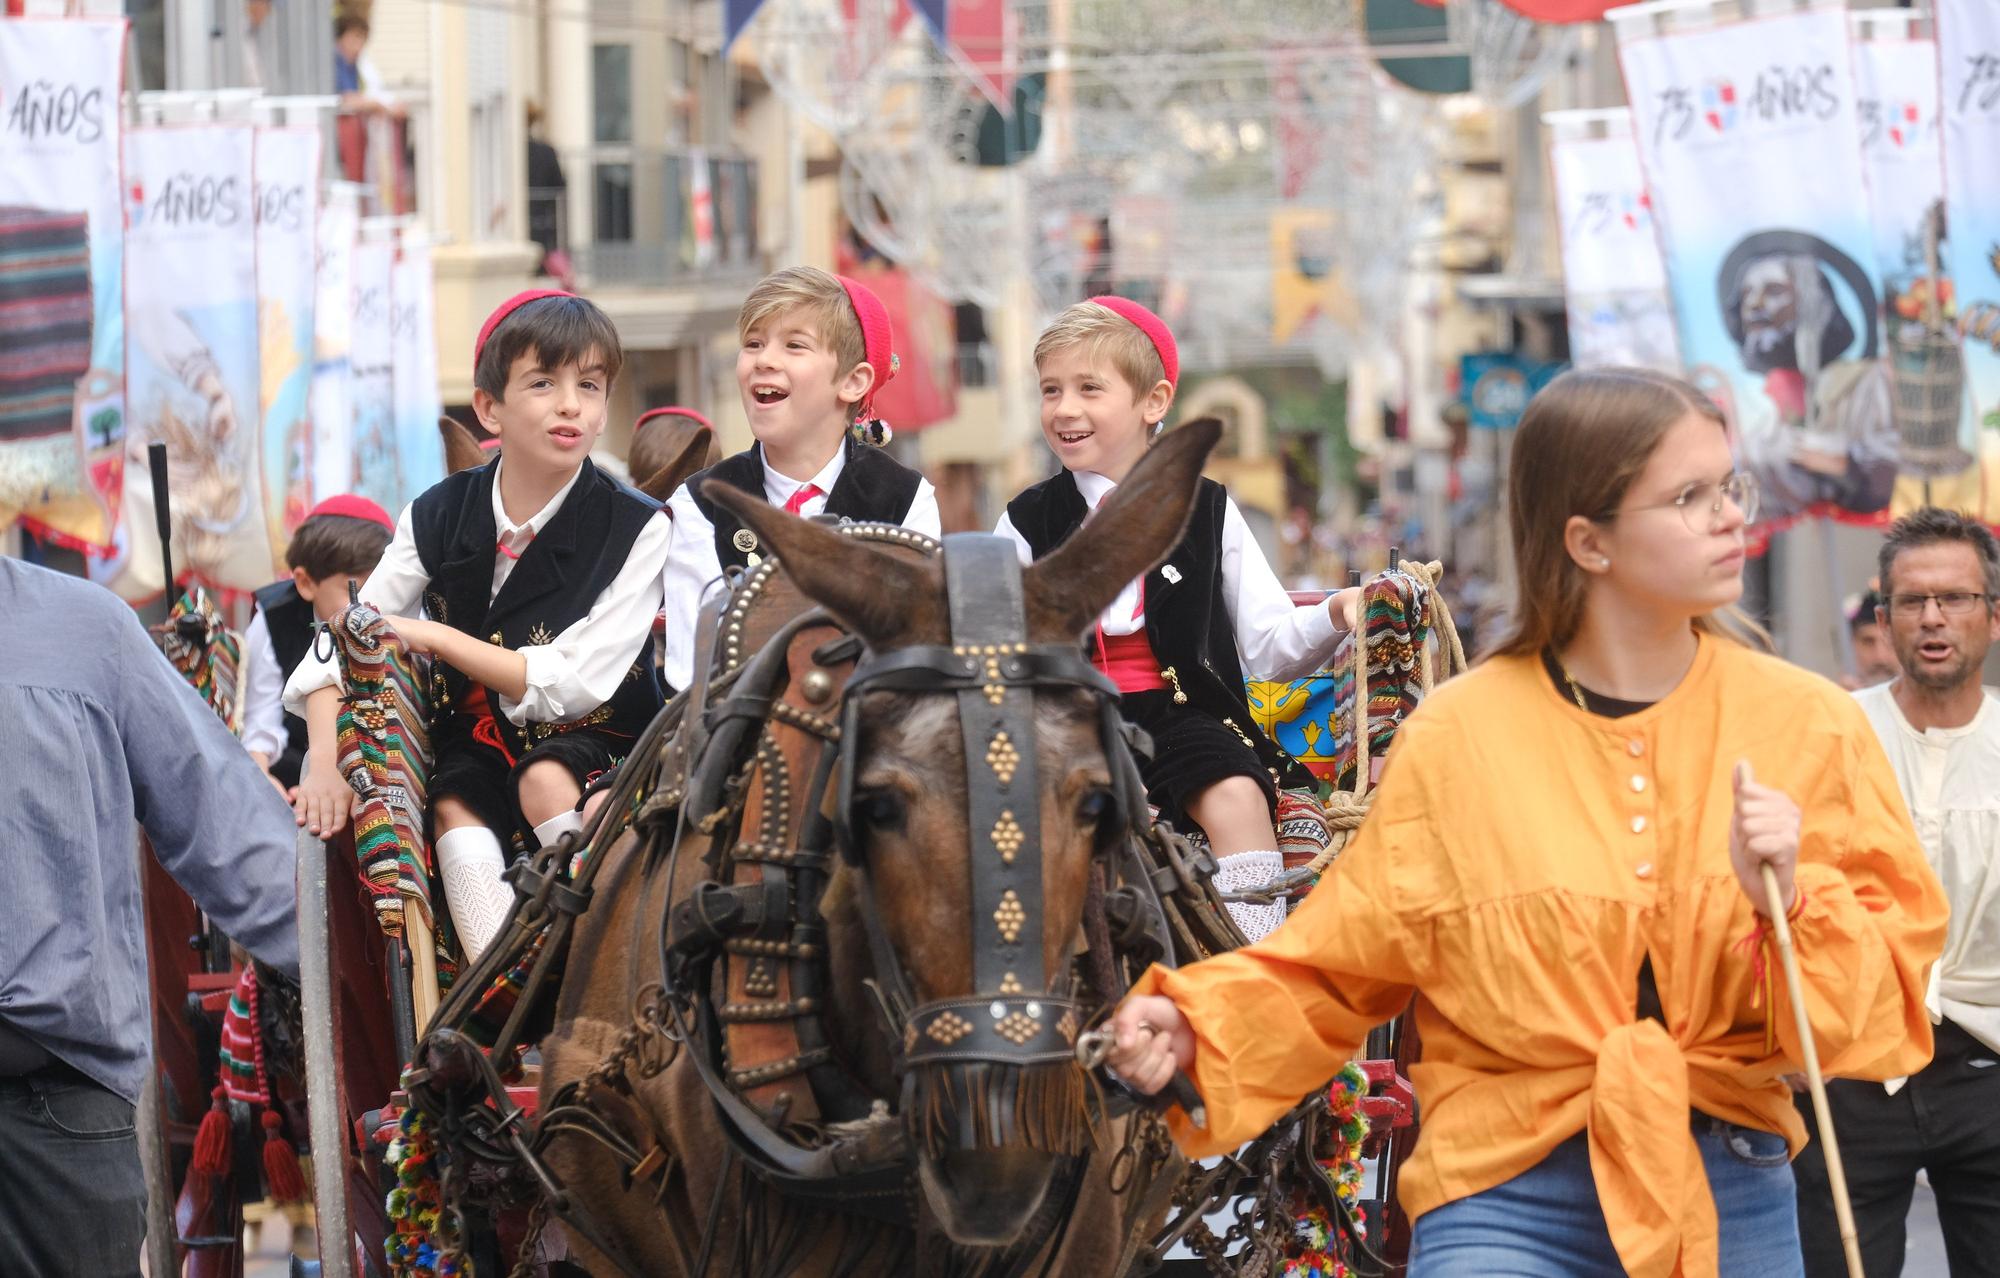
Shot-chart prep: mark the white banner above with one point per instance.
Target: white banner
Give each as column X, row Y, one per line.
column 419, row 446
column 1614, row 281
column 191, row 364
column 1968, row 33
column 1752, row 150
column 371, row 374
column 333, row 330
column 62, row 326
column 287, row 202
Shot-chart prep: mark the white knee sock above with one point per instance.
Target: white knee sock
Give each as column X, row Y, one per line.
column 1246, row 871
column 550, row 832
column 470, row 861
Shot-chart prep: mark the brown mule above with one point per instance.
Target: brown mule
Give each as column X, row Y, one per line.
column 971, row 1184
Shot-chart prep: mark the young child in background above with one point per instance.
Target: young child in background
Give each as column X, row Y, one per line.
column 336, row 546
column 1180, row 641
column 815, row 350
column 540, row 577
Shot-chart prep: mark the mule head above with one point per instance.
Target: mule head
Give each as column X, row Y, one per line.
column 461, row 446
column 991, row 1126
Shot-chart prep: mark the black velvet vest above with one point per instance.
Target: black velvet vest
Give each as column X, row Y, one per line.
column 1187, row 615
column 291, row 623
column 873, row 488
column 554, row 584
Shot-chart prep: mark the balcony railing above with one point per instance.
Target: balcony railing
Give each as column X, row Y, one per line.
column 634, row 216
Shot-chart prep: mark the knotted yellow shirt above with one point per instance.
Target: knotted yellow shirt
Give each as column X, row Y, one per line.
column 1522, row 858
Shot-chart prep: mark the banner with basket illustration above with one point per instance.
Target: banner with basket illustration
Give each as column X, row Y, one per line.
column 1968, row 35
column 192, row 357
column 62, row 362
column 1614, row 280
column 1751, row 144
column 287, row 204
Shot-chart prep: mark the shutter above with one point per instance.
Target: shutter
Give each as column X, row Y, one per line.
column 399, row 42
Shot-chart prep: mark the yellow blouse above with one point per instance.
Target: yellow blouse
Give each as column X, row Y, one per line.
column 1522, row 858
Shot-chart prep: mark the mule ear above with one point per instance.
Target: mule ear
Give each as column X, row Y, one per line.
column 889, row 600
column 692, row 457
column 1132, row 533
column 461, row 447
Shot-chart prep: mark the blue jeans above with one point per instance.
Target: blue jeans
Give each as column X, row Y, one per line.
column 1545, row 1223
column 72, row 1196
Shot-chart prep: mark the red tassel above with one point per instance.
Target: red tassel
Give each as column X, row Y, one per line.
column 211, row 1139
column 281, row 1163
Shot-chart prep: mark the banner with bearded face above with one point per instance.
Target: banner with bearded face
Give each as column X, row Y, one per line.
column 1754, row 167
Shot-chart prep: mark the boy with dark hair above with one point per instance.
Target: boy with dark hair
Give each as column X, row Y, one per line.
column 815, row 348
column 336, row 547
column 539, row 577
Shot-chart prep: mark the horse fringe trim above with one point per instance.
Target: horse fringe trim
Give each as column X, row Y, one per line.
column 1047, row 1108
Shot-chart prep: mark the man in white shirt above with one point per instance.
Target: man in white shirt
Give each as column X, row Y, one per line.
column 1941, row 730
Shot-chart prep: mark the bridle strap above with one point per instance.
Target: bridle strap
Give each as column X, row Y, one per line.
column 997, row 719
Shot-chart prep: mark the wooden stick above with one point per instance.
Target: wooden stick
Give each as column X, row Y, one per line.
column 1843, row 1210
column 423, row 965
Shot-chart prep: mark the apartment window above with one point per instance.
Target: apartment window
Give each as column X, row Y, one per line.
column 611, row 92
column 612, row 198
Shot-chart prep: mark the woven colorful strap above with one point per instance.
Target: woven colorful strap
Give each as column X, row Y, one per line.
column 1312, row 719
column 385, row 754
column 208, row 658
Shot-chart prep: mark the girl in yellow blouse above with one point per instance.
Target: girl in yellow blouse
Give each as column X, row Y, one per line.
column 1562, row 869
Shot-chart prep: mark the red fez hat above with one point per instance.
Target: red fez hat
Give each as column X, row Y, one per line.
column 507, row 308
column 353, row 507
column 672, row 411
column 878, row 339
column 1153, row 327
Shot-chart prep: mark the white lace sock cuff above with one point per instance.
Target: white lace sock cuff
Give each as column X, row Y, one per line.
column 1245, row 872
column 470, row 861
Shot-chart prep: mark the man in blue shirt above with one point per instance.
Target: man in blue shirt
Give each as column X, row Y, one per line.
column 100, row 737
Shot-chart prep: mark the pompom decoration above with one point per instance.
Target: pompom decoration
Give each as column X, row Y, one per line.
column 211, row 1139
column 1317, row 1250
column 873, row 431
column 419, row 1244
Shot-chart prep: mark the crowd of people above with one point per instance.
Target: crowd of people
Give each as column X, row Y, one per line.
column 1563, row 866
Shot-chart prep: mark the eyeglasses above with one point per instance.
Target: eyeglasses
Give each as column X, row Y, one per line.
column 1952, row 603
column 1701, row 503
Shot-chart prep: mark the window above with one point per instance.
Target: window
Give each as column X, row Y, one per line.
column 611, row 92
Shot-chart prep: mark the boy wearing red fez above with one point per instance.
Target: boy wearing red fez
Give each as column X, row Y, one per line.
column 815, row 349
column 1179, row 641
column 337, row 545
column 538, row 577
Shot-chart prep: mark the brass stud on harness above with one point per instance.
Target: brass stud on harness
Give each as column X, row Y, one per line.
column 1008, row 836
column 1017, row 1029
column 1003, row 758
column 1010, row 984
column 949, row 1028
column 1067, row 1026
column 816, row 687
column 1010, row 916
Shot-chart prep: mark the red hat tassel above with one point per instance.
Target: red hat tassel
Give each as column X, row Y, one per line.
column 281, row 1163
column 211, row 1139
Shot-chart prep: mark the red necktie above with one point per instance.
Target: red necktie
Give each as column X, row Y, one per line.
column 800, row 496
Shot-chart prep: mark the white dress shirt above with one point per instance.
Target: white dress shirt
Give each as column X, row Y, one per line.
column 693, row 567
column 568, row 677
column 1275, row 638
column 263, row 692
column 1950, row 777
